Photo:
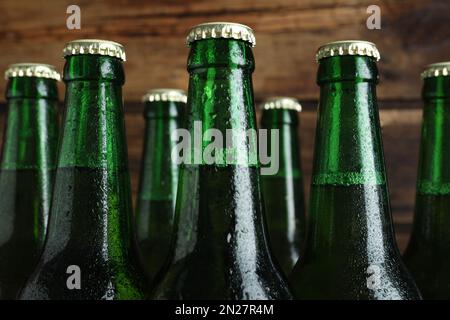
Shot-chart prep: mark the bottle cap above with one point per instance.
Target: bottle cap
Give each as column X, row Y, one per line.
column 348, row 48
column 286, row 103
column 163, row 94
column 437, row 70
column 94, row 46
column 32, row 70
column 226, row 30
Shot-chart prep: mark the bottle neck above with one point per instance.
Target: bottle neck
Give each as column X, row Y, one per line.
column 94, row 129
column 349, row 203
column 433, row 176
column 91, row 196
column 430, row 232
column 31, row 132
column 32, row 88
column 221, row 103
column 348, row 148
column 288, row 146
column 159, row 173
column 220, row 199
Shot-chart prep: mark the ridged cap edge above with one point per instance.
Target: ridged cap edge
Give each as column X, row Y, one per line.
column 32, row 70
column 346, row 48
column 436, row 70
column 95, row 46
column 286, row 103
column 226, row 30
column 165, row 94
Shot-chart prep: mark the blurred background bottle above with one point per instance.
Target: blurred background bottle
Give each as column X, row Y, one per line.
column 26, row 172
column 428, row 253
column 163, row 113
column 283, row 191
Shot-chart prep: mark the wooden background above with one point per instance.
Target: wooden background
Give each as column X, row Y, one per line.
column 414, row 33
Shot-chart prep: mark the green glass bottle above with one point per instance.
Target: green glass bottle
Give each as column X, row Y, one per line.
column 26, row 170
column 350, row 251
column 428, row 253
column 163, row 114
column 220, row 250
column 283, row 191
column 90, row 251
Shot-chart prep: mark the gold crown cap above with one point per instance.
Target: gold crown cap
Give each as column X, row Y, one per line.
column 437, row 70
column 165, row 94
column 286, row 103
column 226, row 30
column 348, row 48
column 32, row 70
column 95, row 46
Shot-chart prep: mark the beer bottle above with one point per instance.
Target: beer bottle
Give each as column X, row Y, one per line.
column 350, row 250
column 283, row 190
column 90, row 250
column 163, row 113
column 220, row 250
column 26, row 170
column 428, row 252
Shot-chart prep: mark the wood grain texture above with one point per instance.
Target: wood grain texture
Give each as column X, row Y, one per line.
column 401, row 133
column 414, row 33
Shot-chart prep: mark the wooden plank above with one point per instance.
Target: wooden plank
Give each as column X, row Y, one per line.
column 414, row 33
column 401, row 133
